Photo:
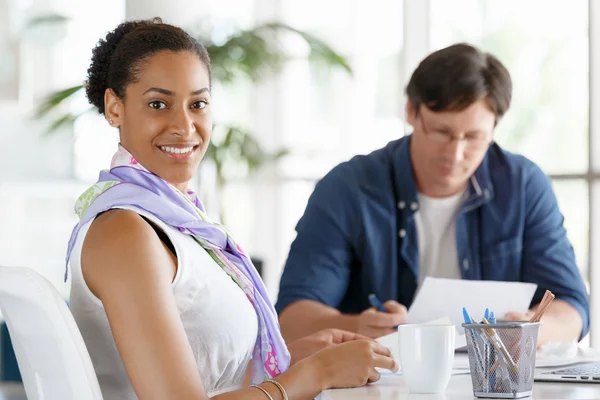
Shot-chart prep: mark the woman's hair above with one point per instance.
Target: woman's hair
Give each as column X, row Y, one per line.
column 453, row 78
column 118, row 59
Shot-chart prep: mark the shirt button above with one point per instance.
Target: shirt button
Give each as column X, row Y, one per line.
column 401, row 205
column 466, row 264
column 414, row 206
column 401, row 233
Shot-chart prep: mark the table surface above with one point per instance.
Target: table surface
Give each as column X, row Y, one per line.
column 392, row 386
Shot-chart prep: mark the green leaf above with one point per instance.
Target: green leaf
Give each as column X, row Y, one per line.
column 320, row 52
column 64, row 120
column 55, row 99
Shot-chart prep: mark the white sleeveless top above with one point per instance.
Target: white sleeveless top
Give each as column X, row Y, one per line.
column 220, row 323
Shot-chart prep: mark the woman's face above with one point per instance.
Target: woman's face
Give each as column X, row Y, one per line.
column 165, row 119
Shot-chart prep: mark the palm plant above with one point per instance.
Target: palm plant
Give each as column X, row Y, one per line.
column 246, row 54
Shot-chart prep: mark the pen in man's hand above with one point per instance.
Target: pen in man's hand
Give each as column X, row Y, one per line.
column 376, row 303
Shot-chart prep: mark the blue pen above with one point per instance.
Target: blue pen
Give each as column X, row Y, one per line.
column 475, row 347
column 486, row 314
column 466, row 316
column 492, row 318
column 376, row 303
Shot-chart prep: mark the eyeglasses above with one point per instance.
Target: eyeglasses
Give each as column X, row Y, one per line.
column 472, row 141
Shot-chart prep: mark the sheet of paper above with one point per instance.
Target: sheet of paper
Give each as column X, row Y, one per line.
column 555, row 354
column 440, row 298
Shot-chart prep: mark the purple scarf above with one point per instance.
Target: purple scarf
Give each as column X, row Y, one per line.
column 128, row 183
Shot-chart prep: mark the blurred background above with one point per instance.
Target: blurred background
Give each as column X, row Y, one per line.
column 300, row 86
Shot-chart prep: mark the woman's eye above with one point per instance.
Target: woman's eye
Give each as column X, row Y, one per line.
column 157, row 105
column 200, row 104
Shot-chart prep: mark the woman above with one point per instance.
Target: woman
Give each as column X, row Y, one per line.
column 169, row 306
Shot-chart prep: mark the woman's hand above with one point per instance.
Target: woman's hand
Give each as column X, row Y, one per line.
column 309, row 345
column 353, row 363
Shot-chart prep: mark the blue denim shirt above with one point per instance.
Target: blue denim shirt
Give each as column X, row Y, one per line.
column 358, row 234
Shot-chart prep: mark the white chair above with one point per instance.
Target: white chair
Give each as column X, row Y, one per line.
column 52, row 357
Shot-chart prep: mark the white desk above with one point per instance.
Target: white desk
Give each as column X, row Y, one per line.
column 392, row 387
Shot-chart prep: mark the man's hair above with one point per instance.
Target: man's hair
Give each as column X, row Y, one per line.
column 453, row 78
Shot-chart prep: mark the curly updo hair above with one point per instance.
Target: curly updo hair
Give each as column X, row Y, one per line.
column 118, row 59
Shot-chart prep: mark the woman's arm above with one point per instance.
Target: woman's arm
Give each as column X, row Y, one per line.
column 128, row 267
column 130, row 270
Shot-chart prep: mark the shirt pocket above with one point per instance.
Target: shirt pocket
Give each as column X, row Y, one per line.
column 502, row 260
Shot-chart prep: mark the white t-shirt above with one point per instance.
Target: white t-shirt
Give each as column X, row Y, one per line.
column 220, row 323
column 436, row 233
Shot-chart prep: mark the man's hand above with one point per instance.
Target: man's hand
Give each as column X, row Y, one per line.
column 374, row 324
column 514, row 316
column 560, row 323
column 518, row 317
column 309, row 345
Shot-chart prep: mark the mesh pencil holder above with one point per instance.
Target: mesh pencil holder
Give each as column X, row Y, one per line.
column 502, row 358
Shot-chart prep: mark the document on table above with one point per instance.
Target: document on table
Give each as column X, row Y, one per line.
column 440, row 298
column 440, row 301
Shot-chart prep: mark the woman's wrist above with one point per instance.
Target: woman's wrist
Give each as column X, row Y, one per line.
column 317, row 371
column 306, row 379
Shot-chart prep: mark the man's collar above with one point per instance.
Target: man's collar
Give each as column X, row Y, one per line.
column 481, row 189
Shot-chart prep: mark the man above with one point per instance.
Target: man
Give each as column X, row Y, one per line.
column 445, row 201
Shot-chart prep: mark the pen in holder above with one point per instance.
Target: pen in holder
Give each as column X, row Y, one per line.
column 498, row 370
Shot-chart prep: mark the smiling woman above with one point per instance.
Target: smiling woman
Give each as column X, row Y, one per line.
column 153, row 108
column 159, row 123
column 169, row 305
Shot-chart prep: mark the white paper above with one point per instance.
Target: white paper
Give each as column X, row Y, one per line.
column 440, row 298
column 555, row 354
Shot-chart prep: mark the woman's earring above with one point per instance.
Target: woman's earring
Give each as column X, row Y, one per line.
column 110, row 120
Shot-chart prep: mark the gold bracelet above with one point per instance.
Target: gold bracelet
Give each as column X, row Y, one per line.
column 280, row 387
column 262, row 390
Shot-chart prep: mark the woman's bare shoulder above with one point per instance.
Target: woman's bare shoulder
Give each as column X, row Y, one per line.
column 121, row 246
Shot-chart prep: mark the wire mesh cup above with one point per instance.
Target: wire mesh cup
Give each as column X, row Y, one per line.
column 502, row 358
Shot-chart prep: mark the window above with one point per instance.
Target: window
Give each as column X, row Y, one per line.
column 327, row 117
column 546, row 49
column 37, row 192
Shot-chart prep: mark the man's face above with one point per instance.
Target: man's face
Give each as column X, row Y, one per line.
column 448, row 146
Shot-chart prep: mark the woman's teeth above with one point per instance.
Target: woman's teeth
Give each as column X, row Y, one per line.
column 175, row 150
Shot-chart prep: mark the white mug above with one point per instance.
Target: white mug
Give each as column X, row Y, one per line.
column 426, row 356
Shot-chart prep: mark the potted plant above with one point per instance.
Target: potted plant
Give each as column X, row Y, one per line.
column 245, row 54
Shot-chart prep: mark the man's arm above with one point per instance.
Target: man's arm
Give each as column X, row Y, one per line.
column 318, row 269
column 549, row 261
column 561, row 322
column 304, row 317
